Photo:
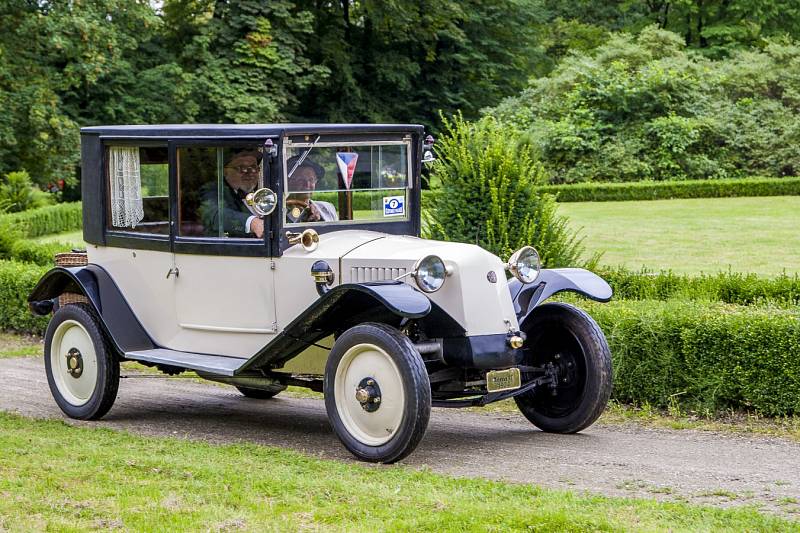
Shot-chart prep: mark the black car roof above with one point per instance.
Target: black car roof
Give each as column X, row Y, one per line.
column 244, row 130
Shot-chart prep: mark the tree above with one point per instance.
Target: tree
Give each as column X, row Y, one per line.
column 405, row 60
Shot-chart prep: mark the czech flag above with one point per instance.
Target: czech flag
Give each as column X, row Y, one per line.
column 347, row 166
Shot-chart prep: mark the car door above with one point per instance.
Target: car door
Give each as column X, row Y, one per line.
column 137, row 253
column 223, row 280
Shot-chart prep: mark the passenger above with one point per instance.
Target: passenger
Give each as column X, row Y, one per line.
column 242, row 174
column 302, row 183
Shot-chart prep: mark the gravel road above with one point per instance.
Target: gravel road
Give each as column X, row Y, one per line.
column 700, row 467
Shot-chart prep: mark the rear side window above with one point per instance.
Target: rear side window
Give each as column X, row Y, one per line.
column 138, row 189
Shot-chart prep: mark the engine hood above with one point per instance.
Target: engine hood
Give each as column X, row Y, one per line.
column 469, row 295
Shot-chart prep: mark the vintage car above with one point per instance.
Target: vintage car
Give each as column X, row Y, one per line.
column 264, row 256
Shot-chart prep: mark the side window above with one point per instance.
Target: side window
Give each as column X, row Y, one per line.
column 138, row 180
column 213, row 182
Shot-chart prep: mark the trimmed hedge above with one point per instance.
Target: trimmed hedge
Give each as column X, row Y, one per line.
column 48, row 220
column 17, row 230
column 664, row 190
column 17, row 280
column 706, row 357
column 40, row 253
column 727, row 287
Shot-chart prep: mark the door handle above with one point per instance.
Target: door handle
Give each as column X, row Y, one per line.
column 172, row 271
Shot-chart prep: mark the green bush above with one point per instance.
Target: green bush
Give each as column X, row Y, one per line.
column 49, row 220
column 488, row 196
column 17, row 280
column 18, row 193
column 40, row 253
column 705, row 357
column 663, row 190
column 726, row 287
column 646, row 107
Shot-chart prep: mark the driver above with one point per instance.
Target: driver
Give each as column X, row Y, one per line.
column 302, row 183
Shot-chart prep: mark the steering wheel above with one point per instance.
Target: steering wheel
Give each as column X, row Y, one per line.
column 305, row 206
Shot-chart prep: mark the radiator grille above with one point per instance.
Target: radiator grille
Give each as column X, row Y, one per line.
column 361, row 274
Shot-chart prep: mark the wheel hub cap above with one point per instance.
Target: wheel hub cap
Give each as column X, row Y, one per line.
column 368, row 394
column 74, row 363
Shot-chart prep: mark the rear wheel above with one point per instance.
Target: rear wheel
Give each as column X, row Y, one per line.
column 377, row 393
column 569, row 344
column 82, row 370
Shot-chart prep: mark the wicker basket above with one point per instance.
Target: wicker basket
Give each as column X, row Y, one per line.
column 69, row 259
column 67, row 298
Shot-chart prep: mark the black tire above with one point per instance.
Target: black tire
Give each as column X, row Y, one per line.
column 405, row 396
column 102, row 388
column 260, row 394
column 569, row 338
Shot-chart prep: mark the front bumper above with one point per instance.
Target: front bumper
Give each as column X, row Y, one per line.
column 480, row 351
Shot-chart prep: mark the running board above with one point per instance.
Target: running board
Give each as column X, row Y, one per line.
column 213, row 364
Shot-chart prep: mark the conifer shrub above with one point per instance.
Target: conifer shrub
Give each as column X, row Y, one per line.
column 488, row 195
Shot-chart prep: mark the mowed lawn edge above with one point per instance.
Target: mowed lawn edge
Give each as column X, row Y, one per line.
column 66, row 478
column 689, row 236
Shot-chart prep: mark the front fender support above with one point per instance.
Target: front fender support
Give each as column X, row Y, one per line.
column 341, row 308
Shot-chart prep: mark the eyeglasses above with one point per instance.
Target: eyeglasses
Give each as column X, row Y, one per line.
column 245, row 170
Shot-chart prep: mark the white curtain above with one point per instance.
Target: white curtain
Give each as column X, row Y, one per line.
column 126, row 186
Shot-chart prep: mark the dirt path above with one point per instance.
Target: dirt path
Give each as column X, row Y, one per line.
column 699, row 467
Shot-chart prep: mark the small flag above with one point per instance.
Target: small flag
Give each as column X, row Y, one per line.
column 347, row 166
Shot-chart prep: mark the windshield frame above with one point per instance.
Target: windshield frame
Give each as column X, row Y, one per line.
column 289, row 140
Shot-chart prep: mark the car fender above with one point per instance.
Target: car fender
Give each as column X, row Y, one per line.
column 117, row 319
column 338, row 309
column 527, row 297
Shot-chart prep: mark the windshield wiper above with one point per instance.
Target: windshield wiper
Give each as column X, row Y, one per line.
column 302, row 157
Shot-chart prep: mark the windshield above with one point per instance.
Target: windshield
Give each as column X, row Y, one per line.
column 346, row 183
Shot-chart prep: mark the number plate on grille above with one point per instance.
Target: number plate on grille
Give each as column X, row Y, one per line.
column 499, row 380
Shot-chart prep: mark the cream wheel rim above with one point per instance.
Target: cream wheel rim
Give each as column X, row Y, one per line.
column 368, row 361
column 75, row 387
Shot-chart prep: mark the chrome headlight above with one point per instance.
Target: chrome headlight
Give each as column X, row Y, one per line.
column 430, row 272
column 524, row 264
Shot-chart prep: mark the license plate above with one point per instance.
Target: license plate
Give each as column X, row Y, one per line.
column 499, row 380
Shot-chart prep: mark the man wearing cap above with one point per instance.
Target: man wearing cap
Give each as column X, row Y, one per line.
column 301, row 185
column 242, row 174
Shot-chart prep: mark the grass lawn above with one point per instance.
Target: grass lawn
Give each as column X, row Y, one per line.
column 74, row 238
column 760, row 235
column 57, row 477
column 14, row 345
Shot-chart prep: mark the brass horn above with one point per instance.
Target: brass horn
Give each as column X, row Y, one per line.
column 309, row 239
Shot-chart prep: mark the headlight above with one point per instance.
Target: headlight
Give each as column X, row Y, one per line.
column 430, row 273
column 524, row 264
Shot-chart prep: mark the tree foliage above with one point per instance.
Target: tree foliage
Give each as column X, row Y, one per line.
column 647, row 107
column 713, row 26
column 71, row 63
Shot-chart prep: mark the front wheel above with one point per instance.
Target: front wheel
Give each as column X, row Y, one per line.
column 569, row 344
column 82, row 370
column 377, row 393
